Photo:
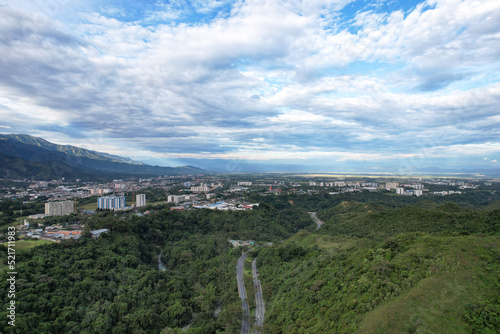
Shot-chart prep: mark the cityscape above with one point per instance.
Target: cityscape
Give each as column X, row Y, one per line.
column 62, row 198
column 250, row 167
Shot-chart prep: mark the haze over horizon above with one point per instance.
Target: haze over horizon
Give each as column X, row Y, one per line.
column 375, row 85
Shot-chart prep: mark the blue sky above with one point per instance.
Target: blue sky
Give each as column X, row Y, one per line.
column 319, row 85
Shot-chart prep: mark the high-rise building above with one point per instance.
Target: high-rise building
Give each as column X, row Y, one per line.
column 140, row 200
column 111, row 202
column 391, row 185
column 59, row 208
column 400, row 191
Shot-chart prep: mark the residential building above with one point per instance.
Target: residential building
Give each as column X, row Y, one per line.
column 111, row 202
column 59, row 208
column 140, row 200
column 245, row 183
column 177, row 199
column 99, row 191
column 391, row 185
column 201, row 189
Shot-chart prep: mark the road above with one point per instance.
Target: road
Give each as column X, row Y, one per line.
column 259, row 301
column 318, row 221
column 245, row 325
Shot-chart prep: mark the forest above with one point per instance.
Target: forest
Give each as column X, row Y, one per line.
column 423, row 267
column 380, row 264
column 112, row 284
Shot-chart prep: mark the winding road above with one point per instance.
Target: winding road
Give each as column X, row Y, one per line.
column 245, row 325
column 318, row 221
column 259, row 300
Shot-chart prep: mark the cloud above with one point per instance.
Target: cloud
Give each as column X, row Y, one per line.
column 257, row 80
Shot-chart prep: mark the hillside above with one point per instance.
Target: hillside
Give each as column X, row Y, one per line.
column 376, row 221
column 411, row 283
column 112, row 284
column 17, row 168
column 79, row 162
column 427, row 268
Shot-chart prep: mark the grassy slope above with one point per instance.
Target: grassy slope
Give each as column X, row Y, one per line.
column 422, row 285
column 437, row 304
column 26, row 245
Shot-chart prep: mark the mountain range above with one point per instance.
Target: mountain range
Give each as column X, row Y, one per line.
column 24, row 156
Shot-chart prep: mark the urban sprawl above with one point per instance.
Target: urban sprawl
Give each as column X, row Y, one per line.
column 189, row 192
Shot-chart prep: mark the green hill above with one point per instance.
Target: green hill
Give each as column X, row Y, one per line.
column 411, row 283
column 376, row 221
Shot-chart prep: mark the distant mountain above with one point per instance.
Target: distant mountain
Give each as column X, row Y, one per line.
column 74, row 151
column 33, row 157
column 17, row 168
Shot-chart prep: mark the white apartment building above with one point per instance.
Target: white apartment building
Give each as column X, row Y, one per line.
column 140, row 200
column 59, row 208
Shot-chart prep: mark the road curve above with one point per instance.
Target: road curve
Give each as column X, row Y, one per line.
column 245, row 325
column 259, row 301
column 318, row 221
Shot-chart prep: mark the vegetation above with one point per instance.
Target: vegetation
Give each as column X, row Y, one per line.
column 410, row 283
column 112, row 284
column 425, row 268
column 380, row 264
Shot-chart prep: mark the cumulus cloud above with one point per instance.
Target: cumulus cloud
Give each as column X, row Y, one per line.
column 257, row 80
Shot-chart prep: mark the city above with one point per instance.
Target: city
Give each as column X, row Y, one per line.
column 62, row 198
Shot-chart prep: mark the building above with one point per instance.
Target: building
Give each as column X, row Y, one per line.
column 244, row 183
column 140, row 200
column 111, row 202
column 201, row 189
column 391, row 185
column 177, row 199
column 59, row 208
column 400, row 191
column 417, row 192
column 99, row 191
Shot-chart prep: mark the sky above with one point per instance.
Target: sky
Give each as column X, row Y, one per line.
column 318, row 85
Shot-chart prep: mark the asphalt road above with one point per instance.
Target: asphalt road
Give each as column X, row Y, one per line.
column 318, row 221
column 245, row 325
column 259, row 301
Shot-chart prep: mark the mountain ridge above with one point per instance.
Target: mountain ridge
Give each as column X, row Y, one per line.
column 30, row 152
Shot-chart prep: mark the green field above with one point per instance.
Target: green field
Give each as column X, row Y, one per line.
column 26, row 245
column 90, row 206
column 21, row 246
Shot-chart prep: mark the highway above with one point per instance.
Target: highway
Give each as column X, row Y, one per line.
column 318, row 221
column 259, row 301
column 245, row 325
